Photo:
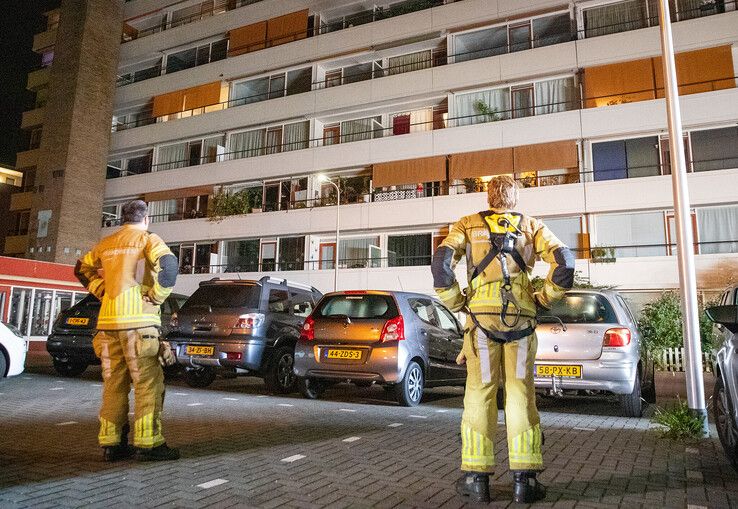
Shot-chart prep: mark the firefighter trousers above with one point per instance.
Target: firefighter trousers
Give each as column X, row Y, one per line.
column 130, row 357
column 488, row 364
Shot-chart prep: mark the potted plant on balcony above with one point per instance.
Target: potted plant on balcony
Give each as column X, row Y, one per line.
column 602, row 254
column 488, row 114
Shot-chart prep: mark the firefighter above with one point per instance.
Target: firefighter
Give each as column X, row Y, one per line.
column 501, row 247
column 131, row 272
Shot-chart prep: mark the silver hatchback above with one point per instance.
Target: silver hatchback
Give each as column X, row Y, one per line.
column 403, row 341
column 589, row 342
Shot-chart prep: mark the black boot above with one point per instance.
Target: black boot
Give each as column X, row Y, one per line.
column 119, row 452
column 159, row 453
column 474, row 485
column 526, row 488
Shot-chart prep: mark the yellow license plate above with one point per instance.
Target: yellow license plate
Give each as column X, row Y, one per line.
column 351, row 355
column 563, row 371
column 199, row 350
column 77, row 321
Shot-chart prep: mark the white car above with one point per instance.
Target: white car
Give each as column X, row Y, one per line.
column 12, row 351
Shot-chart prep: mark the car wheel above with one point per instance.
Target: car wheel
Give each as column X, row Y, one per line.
column 726, row 428
column 199, row 377
column 3, row 364
column 649, row 394
column 631, row 404
column 311, row 388
column 279, row 377
column 69, row 368
column 410, row 390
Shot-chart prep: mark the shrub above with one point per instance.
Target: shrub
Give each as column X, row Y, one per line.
column 661, row 324
column 679, row 423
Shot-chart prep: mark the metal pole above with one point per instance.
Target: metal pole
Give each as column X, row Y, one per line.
column 338, row 239
column 682, row 217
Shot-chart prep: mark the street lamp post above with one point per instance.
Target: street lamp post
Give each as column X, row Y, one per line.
column 324, row 178
column 685, row 254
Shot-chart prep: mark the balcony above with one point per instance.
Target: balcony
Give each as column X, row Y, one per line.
column 27, row 158
column 44, row 40
column 15, row 244
column 21, row 201
column 32, row 118
column 38, row 78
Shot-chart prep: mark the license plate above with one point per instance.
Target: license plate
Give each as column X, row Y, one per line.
column 199, row 350
column 349, row 355
column 563, row 371
column 77, row 321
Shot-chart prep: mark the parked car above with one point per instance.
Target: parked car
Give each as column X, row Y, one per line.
column 70, row 342
column 242, row 327
column 12, row 351
column 589, row 343
column 725, row 393
column 403, row 341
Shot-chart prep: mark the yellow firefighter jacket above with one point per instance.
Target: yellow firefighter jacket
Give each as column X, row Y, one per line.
column 135, row 264
column 471, row 237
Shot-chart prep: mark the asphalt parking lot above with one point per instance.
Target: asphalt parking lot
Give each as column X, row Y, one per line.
column 242, row 447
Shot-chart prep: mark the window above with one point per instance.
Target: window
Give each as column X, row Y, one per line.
column 361, row 129
column 638, row 234
column 424, row 309
column 550, row 30
column 635, row 157
column 581, row 308
column 718, row 229
column 268, row 255
column 333, row 78
column 35, row 140
column 331, row 134
column 20, row 304
column 357, row 306
column 302, row 304
column 247, row 92
column 299, row 81
column 247, row 144
column 522, row 101
column 41, row 314
column 225, row 296
column 445, row 320
column 181, row 60
column 356, row 73
column 520, row 37
column 241, row 256
column 278, row 301
column 568, row 230
column 480, row 44
column 203, row 254
column 359, row 253
column 291, row 253
column 20, row 222
column 409, row 250
column 139, row 164
column 714, row 149
column 276, row 86
column 619, row 17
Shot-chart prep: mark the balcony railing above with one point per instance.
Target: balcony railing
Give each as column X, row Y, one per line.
column 424, row 260
column 566, row 34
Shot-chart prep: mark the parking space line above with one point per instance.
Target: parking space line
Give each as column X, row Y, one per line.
column 66, row 423
column 96, row 385
column 231, row 399
column 441, row 411
column 284, row 404
column 262, row 396
column 212, row 484
column 692, row 450
column 180, row 394
column 57, row 389
column 418, row 416
column 346, row 410
column 584, row 429
column 351, row 439
column 291, row 459
column 194, row 404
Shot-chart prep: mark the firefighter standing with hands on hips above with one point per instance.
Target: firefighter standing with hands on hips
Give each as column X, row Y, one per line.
column 131, row 272
column 501, row 247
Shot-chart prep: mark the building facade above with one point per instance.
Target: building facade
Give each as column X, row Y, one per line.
column 226, row 112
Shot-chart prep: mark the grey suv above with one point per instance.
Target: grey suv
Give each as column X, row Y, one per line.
column 403, row 341
column 242, row 327
column 725, row 395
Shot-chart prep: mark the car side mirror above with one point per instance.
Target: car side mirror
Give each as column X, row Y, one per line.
column 727, row 316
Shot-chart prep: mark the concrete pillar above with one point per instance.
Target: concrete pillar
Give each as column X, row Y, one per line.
column 65, row 217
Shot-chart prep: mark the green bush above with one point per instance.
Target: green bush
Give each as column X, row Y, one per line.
column 661, row 324
column 580, row 282
column 679, row 423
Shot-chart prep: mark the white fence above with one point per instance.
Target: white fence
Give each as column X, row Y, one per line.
column 673, row 359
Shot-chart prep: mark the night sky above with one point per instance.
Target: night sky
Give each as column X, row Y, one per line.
column 21, row 19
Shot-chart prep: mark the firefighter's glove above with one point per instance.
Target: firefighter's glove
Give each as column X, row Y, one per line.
column 166, row 355
column 461, row 359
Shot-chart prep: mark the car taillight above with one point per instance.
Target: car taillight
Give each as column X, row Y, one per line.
column 619, row 336
column 394, row 329
column 234, row 356
column 308, row 329
column 249, row 321
column 174, row 321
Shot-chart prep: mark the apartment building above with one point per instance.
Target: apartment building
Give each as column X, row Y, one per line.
column 229, row 115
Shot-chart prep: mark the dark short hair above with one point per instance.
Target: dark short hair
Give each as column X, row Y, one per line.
column 134, row 211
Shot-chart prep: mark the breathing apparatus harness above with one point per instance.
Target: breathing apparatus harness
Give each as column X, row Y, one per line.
column 502, row 245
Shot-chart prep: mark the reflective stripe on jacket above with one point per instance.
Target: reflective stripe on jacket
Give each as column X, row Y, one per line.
column 121, row 270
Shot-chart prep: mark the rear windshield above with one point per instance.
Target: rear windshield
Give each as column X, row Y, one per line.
column 580, row 308
column 357, row 306
column 90, row 301
column 225, row 296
